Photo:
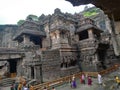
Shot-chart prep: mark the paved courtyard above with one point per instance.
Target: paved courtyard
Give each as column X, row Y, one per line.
column 4, row 88
column 108, row 80
column 95, row 86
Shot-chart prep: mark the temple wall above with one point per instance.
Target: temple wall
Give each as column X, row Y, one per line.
column 6, row 35
column 50, row 64
column 52, row 60
column 110, row 57
column 88, row 52
column 70, row 61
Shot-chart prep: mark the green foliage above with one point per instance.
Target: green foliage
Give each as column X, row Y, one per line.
column 91, row 12
column 32, row 17
column 20, row 22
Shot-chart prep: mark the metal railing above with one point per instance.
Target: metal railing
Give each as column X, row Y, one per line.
column 67, row 79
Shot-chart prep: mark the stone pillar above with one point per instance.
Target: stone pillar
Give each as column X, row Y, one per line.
column 47, row 30
column 35, row 72
column 96, row 61
column 55, row 39
column 90, row 34
column 26, row 39
column 19, row 67
column 29, row 72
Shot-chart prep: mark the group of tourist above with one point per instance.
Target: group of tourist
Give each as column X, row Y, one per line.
column 83, row 77
column 73, row 83
column 82, row 80
column 21, row 86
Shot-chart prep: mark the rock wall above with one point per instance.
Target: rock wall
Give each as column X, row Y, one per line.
column 6, row 35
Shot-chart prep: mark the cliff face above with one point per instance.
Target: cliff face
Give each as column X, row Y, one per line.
column 108, row 6
column 98, row 16
column 6, row 34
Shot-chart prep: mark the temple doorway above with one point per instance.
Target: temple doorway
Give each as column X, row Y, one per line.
column 13, row 67
column 32, row 72
column 102, row 54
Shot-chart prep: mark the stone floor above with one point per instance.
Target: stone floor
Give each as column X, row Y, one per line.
column 108, row 80
column 81, row 86
column 4, row 88
column 95, row 86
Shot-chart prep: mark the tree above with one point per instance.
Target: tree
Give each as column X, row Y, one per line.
column 20, row 22
column 32, row 17
column 88, row 12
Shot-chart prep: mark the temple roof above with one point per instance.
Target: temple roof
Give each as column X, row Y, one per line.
column 110, row 7
column 30, row 28
column 29, row 32
column 89, row 26
column 60, row 28
column 87, row 23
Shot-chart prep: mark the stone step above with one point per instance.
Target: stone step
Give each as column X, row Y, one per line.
column 7, row 82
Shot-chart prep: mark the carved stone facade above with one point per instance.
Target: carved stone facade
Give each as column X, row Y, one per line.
column 62, row 44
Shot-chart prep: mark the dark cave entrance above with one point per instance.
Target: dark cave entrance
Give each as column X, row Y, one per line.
column 102, row 54
column 32, row 72
column 83, row 35
column 12, row 67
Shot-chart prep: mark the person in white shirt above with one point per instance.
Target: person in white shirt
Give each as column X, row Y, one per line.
column 99, row 78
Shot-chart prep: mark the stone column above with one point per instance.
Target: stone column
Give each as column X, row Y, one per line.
column 55, row 39
column 29, row 72
column 35, row 72
column 19, row 67
column 47, row 30
column 96, row 61
column 90, row 34
column 26, row 39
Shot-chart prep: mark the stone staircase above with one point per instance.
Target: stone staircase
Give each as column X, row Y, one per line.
column 6, row 82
